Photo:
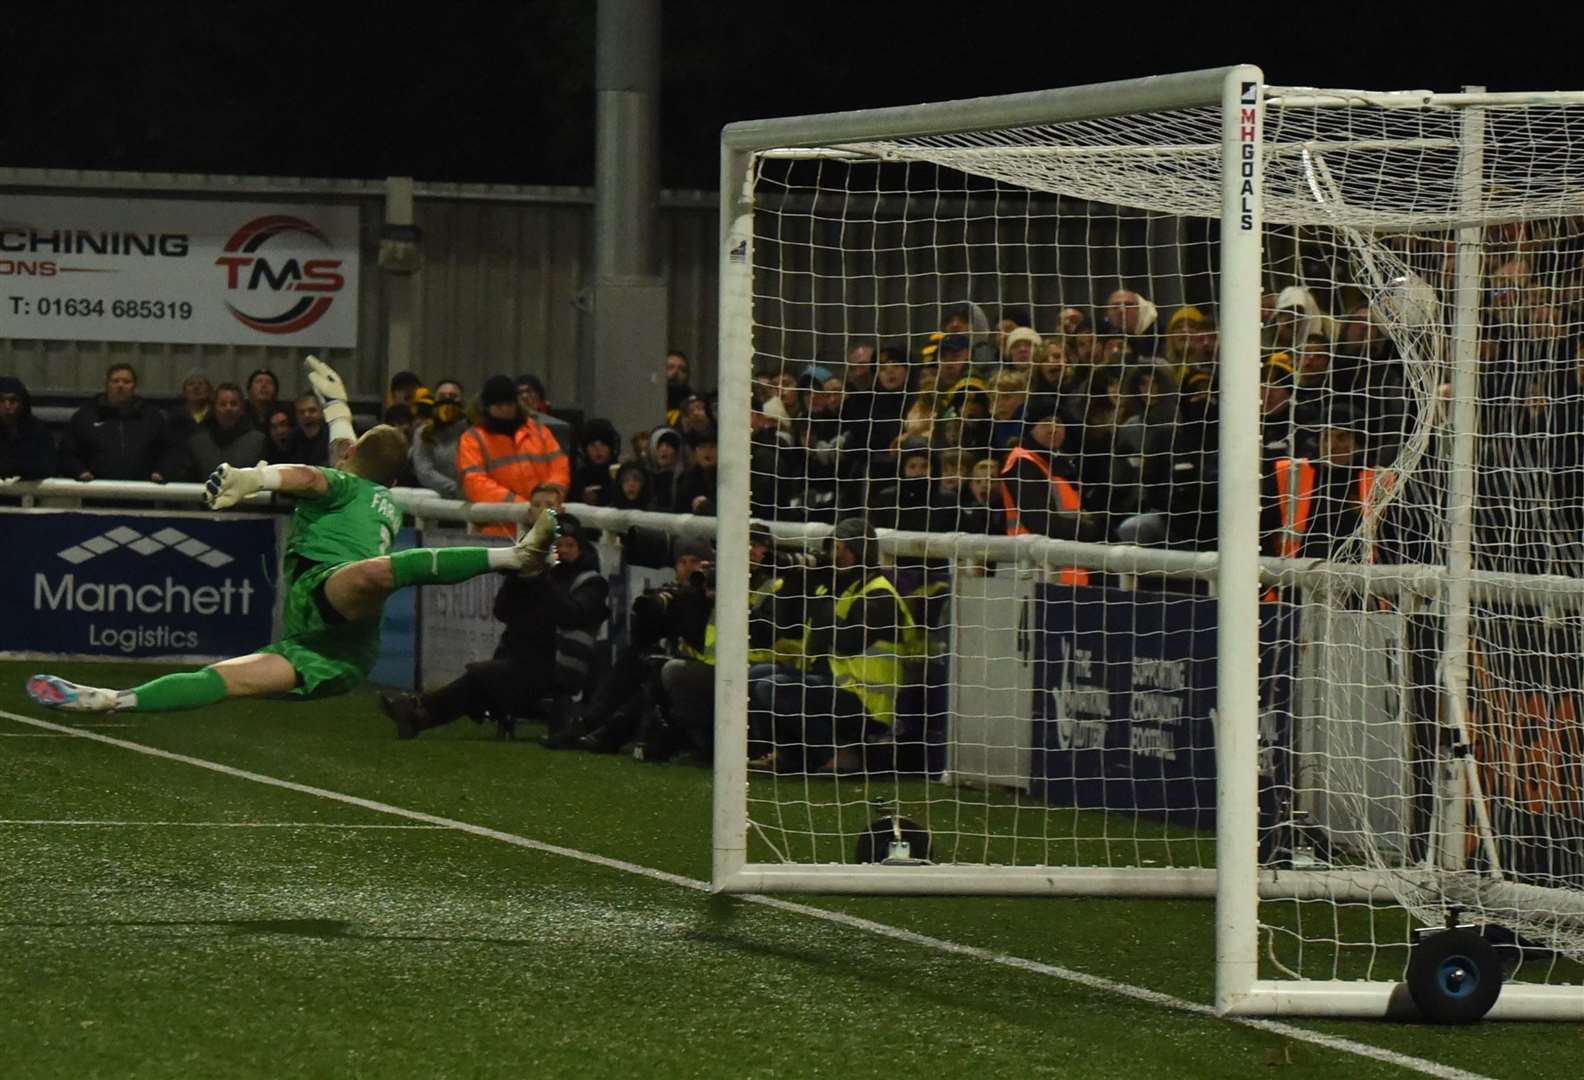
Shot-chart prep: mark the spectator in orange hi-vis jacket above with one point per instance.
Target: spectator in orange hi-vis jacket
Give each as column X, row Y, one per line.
column 509, row 454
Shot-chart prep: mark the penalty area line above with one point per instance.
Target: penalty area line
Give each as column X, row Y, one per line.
column 868, row 926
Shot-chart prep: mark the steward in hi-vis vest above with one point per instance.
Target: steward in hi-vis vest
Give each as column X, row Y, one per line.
column 1039, row 488
column 509, row 454
column 858, row 639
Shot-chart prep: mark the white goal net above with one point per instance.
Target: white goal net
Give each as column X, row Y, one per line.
column 983, row 399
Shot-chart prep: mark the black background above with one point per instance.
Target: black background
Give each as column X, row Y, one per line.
column 505, row 92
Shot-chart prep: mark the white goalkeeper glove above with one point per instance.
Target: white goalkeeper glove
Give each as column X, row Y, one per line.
column 229, row 485
column 332, row 395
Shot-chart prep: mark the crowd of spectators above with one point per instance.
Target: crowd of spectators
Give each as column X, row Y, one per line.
column 1101, row 427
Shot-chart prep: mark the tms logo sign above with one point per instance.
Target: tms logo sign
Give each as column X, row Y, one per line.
column 251, row 270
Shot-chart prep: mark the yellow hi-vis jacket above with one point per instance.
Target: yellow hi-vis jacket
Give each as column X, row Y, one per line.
column 875, row 675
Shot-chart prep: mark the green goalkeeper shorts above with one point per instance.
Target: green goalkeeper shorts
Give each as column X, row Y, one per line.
column 330, row 656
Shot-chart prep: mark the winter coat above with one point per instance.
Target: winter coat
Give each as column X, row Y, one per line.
column 132, row 442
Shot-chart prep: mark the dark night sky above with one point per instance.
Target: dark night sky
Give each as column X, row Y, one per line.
column 504, row 92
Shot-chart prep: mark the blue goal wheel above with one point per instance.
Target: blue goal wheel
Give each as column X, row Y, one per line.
column 1454, row 976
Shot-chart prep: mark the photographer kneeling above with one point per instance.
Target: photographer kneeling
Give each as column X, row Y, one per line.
column 547, row 650
column 669, row 623
column 842, row 695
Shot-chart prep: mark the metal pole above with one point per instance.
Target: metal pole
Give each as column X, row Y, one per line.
column 630, row 332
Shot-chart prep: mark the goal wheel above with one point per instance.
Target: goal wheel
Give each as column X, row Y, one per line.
column 1454, row 977
column 894, row 840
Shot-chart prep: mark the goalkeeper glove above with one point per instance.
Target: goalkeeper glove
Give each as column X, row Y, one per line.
column 229, row 485
column 332, row 395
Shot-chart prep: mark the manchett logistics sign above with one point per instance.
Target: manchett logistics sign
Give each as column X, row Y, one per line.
column 125, row 585
column 224, row 273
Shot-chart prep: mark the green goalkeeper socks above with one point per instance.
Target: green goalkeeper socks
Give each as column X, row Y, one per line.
column 185, row 690
column 438, row 566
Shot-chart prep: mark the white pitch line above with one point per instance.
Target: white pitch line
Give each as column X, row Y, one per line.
column 216, row 824
column 1094, row 982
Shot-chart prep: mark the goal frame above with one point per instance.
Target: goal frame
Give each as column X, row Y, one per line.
column 1237, row 883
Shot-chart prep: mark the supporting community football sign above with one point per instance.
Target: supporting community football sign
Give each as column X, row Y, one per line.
column 123, row 585
column 163, row 270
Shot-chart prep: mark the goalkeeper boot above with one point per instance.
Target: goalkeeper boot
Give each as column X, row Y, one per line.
column 535, row 545
column 407, row 712
column 57, row 693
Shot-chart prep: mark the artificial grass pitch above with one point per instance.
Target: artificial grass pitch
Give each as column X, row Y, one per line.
column 211, row 925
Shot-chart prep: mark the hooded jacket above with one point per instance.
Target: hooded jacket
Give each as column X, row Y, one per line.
column 26, row 450
column 560, row 612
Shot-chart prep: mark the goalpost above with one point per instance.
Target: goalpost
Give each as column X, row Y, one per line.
column 1308, row 636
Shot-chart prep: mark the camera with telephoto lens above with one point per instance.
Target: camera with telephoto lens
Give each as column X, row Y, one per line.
column 675, row 611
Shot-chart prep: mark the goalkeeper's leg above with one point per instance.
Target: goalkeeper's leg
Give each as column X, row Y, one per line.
column 244, row 676
column 358, row 590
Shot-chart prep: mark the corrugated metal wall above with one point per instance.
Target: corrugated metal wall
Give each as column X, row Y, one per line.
column 499, row 290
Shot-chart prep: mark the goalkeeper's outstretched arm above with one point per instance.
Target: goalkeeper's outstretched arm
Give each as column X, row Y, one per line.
column 229, row 485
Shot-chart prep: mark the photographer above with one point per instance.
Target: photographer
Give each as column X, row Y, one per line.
column 858, row 636
column 547, row 650
column 678, row 613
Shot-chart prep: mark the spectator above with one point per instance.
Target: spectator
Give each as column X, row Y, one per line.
column 907, row 500
column 197, row 395
column 1184, row 324
column 872, row 420
column 547, row 651
column 508, row 453
column 696, row 492
column 1012, row 318
column 311, row 441
column 1055, row 380
column 1319, row 503
column 226, row 436
column 1180, row 474
column 1008, row 395
column 979, row 509
column 970, row 320
column 404, row 387
column 1039, row 489
column 631, row 491
column 1297, row 319
column 695, row 419
column 593, row 479
column 280, row 429
column 860, row 371
column 666, row 465
column 638, row 447
column 434, row 446
column 121, row 437
column 402, row 418
column 26, row 449
column 1132, row 317
column 1022, row 346
column 678, row 382
column 263, row 392
column 531, row 396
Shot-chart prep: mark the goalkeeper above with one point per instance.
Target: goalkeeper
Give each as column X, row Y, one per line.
column 336, row 573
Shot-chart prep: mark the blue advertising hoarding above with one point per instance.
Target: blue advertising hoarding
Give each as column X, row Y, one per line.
column 1125, row 696
column 125, row 585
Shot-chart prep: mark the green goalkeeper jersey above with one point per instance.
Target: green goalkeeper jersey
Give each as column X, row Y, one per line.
column 353, row 519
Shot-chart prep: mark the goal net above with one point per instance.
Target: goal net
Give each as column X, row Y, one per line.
column 1004, row 434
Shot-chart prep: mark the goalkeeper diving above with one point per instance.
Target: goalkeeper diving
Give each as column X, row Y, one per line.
column 336, row 573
